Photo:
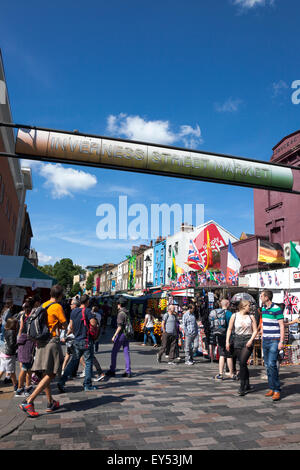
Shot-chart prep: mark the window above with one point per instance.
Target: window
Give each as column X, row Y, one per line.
column 176, row 248
column 170, row 250
column 169, row 272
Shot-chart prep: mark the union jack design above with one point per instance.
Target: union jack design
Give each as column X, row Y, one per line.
column 233, row 278
column 194, row 259
column 291, row 303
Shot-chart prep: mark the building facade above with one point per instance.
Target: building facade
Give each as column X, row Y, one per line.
column 276, row 214
column 14, row 181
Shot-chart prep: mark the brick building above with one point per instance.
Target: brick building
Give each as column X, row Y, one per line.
column 14, row 182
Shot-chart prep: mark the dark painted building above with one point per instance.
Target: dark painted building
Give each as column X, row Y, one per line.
column 277, row 215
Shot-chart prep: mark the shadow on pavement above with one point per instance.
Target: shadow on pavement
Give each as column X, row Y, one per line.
column 84, row 405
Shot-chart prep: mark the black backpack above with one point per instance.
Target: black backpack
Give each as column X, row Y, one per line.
column 37, row 325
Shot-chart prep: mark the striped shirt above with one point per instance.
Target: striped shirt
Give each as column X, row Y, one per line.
column 270, row 317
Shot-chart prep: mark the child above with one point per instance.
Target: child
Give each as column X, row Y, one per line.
column 8, row 356
column 25, row 352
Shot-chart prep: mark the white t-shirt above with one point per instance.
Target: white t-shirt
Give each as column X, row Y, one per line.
column 150, row 322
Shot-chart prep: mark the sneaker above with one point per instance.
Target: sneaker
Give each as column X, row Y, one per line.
column 219, row 377
column 28, row 408
column 20, row 392
column 155, row 346
column 90, row 388
column 61, row 388
column 241, row 393
column 172, row 363
column 158, row 358
column 82, row 375
column 189, row 363
column 52, row 406
column 167, row 357
column 99, row 378
column 232, row 377
column 178, row 359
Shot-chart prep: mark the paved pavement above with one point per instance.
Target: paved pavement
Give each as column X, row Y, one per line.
column 161, row 407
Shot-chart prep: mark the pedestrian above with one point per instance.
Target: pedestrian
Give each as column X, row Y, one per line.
column 8, row 356
column 96, row 364
column 96, row 312
column 68, row 338
column 49, row 355
column 169, row 335
column 149, row 327
column 119, row 339
column 26, row 349
column 7, row 312
column 190, row 328
column 219, row 321
column 245, row 330
column 273, row 341
column 80, row 322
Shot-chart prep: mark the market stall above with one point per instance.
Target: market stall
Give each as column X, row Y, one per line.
column 19, row 279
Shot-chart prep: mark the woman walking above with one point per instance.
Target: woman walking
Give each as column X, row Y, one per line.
column 149, row 327
column 244, row 327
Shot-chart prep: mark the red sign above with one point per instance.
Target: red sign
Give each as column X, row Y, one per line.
column 216, row 242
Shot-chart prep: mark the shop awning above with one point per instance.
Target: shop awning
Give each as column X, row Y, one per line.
column 18, row 271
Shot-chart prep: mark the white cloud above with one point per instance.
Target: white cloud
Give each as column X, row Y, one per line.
column 229, row 106
column 247, row 4
column 44, row 259
column 65, row 181
column 60, row 180
column 159, row 132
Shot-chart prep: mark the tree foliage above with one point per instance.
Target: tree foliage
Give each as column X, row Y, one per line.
column 63, row 271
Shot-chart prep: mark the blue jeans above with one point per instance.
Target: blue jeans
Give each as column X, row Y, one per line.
column 80, row 349
column 270, row 350
column 149, row 330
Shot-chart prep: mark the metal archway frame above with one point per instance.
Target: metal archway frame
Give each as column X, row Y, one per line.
column 38, row 143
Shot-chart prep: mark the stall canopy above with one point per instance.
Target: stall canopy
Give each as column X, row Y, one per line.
column 18, row 271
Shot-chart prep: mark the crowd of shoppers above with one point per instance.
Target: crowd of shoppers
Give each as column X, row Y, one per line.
column 233, row 330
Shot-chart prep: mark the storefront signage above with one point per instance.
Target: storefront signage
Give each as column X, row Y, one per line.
column 132, row 156
column 297, row 276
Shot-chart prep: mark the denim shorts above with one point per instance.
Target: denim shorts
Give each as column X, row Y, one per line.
column 26, row 366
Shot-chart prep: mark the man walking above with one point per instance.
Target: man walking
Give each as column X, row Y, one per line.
column 83, row 345
column 169, row 335
column 273, row 338
column 119, row 339
column 190, row 333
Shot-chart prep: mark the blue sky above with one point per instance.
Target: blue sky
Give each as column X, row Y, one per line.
column 212, row 75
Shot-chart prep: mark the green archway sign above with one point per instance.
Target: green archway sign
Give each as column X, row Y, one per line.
column 72, row 147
